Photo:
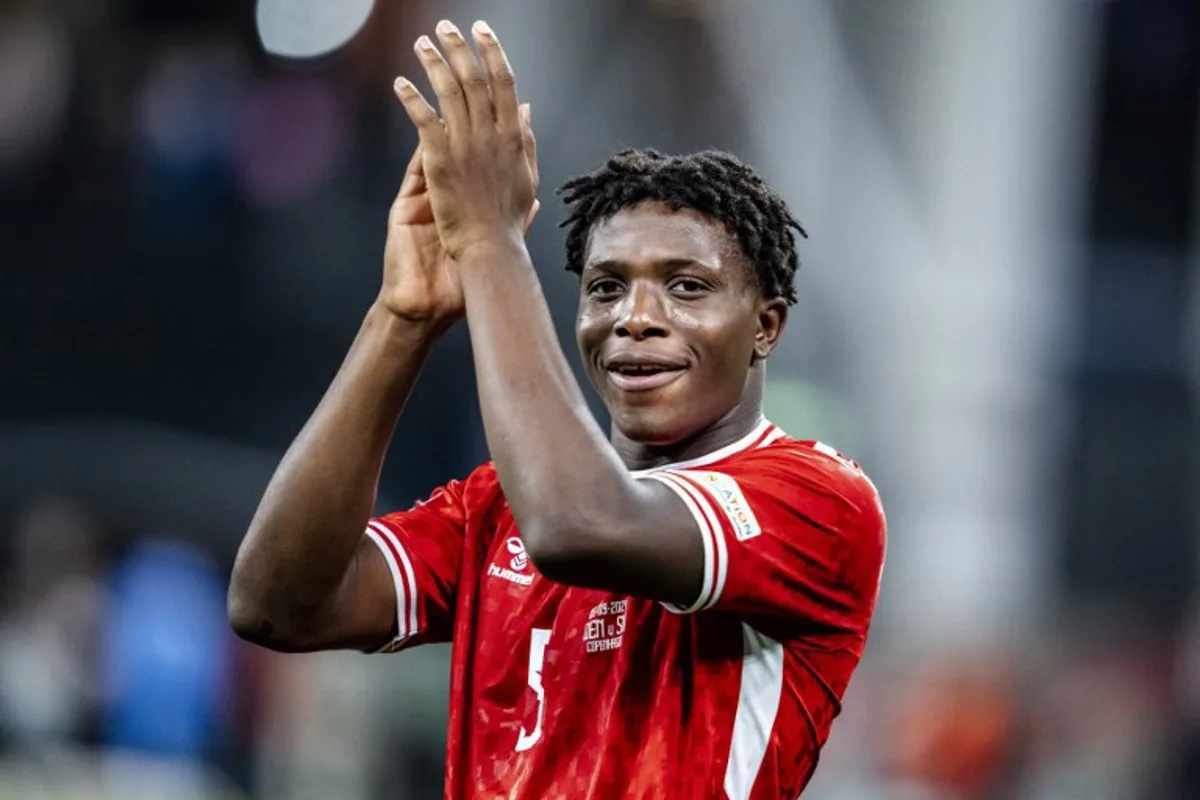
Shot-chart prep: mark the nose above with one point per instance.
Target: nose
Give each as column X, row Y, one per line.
column 640, row 314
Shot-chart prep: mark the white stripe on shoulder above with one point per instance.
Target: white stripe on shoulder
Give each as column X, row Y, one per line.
column 708, row 536
column 773, row 436
column 821, row 447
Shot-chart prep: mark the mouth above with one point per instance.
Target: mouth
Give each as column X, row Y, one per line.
column 631, row 375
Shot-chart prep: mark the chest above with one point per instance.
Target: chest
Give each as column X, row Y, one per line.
column 553, row 677
column 515, row 605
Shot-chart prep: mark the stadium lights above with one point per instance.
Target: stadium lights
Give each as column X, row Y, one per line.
column 309, row 28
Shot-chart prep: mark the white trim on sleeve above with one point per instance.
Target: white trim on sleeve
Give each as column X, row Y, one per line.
column 716, row 557
column 403, row 579
column 713, row 516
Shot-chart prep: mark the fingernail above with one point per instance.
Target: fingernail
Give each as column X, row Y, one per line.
column 425, row 43
column 483, row 29
column 446, row 26
column 402, row 84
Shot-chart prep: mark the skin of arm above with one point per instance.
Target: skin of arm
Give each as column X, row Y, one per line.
column 584, row 518
column 305, row 578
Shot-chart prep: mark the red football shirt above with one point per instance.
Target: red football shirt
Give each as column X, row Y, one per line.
column 576, row 693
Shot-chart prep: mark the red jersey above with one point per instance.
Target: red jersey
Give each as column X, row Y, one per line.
column 564, row 692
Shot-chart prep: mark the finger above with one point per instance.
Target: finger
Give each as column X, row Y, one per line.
column 429, row 127
column 526, row 113
column 500, row 76
column 447, row 88
column 469, row 74
column 414, row 176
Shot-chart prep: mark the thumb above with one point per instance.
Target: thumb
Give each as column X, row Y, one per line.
column 533, row 210
column 414, row 175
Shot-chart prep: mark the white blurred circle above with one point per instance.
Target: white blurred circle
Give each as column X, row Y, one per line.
column 309, row 28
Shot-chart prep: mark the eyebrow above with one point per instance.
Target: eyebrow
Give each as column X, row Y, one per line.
column 666, row 264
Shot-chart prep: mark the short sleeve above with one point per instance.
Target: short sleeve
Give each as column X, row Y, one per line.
column 423, row 548
column 799, row 534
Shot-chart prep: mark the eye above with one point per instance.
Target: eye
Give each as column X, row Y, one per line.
column 689, row 287
column 604, row 288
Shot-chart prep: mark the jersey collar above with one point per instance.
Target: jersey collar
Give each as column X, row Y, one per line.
column 763, row 434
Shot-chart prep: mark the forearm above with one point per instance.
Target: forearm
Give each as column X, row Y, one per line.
column 555, row 465
column 312, row 515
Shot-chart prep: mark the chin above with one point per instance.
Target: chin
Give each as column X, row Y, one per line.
column 658, row 425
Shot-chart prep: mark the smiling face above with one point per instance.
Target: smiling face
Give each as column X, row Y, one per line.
column 670, row 321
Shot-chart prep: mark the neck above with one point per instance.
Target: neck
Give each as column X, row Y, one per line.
column 735, row 424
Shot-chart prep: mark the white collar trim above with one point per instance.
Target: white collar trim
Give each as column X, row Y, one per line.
column 720, row 453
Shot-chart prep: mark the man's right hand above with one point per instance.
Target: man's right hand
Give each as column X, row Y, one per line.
column 420, row 280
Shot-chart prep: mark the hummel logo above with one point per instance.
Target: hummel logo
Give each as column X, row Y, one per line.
column 520, row 560
column 509, row 575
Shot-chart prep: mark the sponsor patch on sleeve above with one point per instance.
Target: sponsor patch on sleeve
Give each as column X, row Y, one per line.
column 729, row 498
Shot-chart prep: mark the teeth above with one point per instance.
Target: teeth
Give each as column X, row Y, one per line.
column 639, row 370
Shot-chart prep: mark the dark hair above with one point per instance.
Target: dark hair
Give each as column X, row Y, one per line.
column 715, row 183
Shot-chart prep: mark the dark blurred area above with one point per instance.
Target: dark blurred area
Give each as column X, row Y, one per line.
column 999, row 318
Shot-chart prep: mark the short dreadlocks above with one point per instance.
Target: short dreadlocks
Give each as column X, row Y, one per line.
column 712, row 182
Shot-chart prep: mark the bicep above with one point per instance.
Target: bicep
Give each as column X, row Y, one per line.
column 361, row 614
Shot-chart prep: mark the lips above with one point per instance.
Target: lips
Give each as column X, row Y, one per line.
column 641, row 374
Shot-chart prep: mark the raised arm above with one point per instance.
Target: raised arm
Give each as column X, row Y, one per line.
column 584, row 518
column 305, row 577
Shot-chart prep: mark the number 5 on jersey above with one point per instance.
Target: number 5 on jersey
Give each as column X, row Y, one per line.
column 538, row 640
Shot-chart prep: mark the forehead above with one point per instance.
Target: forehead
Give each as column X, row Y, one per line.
column 654, row 232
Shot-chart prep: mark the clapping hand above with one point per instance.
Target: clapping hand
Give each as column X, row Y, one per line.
column 479, row 155
column 473, row 173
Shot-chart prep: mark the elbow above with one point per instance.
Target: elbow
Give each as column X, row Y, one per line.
column 253, row 604
column 252, row 620
column 575, row 541
column 541, row 547
column 562, row 549
column 247, row 617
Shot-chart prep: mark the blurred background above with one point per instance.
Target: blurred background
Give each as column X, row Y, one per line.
column 999, row 318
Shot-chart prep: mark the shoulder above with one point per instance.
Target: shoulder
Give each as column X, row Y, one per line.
column 460, row 497
column 804, row 465
column 805, row 479
column 483, row 498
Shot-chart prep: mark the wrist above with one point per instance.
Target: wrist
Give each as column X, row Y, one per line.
column 489, row 251
column 406, row 329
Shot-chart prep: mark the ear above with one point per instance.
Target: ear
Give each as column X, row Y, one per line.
column 772, row 317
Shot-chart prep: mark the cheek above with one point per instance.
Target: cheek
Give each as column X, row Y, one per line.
column 589, row 330
column 723, row 341
column 686, row 320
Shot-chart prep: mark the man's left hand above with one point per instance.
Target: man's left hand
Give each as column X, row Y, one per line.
column 479, row 155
